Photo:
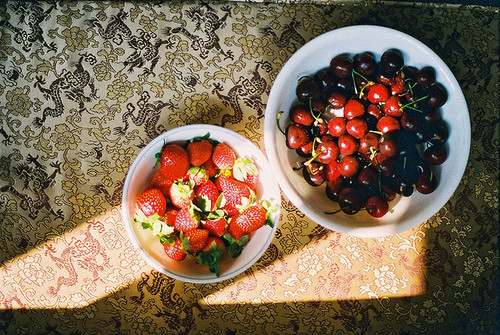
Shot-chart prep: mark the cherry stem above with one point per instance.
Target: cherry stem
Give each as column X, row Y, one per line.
column 316, row 118
column 413, row 102
column 278, row 117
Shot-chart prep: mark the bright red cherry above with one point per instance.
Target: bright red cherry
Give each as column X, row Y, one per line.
column 387, row 124
column 393, row 106
column 347, row 144
column 356, row 127
column 336, row 126
column 378, row 93
column 301, row 114
column 332, row 170
column 348, row 166
column 353, row 108
column 329, row 151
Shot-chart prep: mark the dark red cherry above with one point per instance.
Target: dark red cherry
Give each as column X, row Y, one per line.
column 368, row 143
column 325, row 79
column 341, row 65
column 307, row 89
column 305, row 150
column 386, row 79
column 376, row 206
column 426, row 76
column 349, row 201
column 296, row 136
column 314, row 174
column 336, row 99
column 301, row 114
column 426, row 183
column 392, row 61
column 367, row 177
column 374, row 111
column 333, row 188
column 388, row 145
column 436, row 154
column 393, row 106
column 365, row 63
column 437, row 96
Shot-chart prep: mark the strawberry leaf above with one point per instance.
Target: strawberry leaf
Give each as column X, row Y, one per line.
column 243, row 167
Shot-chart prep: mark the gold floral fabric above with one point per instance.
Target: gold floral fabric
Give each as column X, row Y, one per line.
column 85, row 85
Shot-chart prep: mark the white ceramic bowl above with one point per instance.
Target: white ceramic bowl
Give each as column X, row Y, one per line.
column 141, row 171
column 312, row 201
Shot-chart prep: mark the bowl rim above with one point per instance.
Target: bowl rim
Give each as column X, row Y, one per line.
column 273, row 106
column 127, row 219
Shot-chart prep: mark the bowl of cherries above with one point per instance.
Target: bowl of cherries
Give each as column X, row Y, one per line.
column 367, row 131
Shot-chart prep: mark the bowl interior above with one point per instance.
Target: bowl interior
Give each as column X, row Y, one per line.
column 312, row 201
column 142, row 170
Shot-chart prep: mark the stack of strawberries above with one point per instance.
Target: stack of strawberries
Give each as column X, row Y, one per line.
column 201, row 202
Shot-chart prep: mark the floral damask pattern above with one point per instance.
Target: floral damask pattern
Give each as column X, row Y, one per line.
column 85, row 85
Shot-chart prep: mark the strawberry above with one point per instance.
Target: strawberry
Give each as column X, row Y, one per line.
column 212, row 254
column 173, row 161
column 161, row 182
column 251, row 218
column 181, row 194
column 246, row 171
column 197, row 175
column 216, row 226
column 199, row 151
column 194, row 240
column 234, row 229
column 174, row 250
column 186, row 219
column 151, row 202
column 235, row 238
column 223, row 156
column 236, row 193
column 169, row 216
column 210, row 167
column 206, row 196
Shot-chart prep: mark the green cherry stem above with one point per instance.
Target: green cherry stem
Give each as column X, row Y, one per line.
column 278, row 117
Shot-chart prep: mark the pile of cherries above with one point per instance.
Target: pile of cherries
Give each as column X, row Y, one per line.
column 369, row 130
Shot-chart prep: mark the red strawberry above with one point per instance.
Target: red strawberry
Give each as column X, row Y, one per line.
column 174, row 161
column 206, row 196
column 197, row 175
column 246, row 171
column 234, row 229
column 215, row 227
column 210, row 167
column 174, row 250
column 195, row 239
column 186, row 219
column 236, row 193
column 161, row 182
column 169, row 217
column 251, row 218
column 181, row 194
column 151, row 202
column 212, row 254
column 199, row 151
column 223, row 156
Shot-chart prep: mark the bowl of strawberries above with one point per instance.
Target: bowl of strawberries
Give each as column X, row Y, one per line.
column 200, row 203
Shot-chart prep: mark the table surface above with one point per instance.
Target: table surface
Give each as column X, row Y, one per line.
column 85, row 85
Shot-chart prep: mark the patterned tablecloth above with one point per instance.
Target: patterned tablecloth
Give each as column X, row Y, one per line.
column 85, row 85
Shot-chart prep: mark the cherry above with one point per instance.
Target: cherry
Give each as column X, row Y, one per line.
column 353, row 108
column 349, row 200
column 367, row 177
column 426, row 183
column 376, row 206
column 426, row 76
column 307, row 89
column 386, row 79
column 337, row 126
column 393, row 106
column 336, row 99
column 296, row 136
column 328, row 152
column 374, row 111
column 347, row 144
column 378, row 93
column 332, row 170
column 392, row 61
column 387, row 124
column 436, row 154
column 318, row 128
column 314, row 174
column 438, row 132
column 388, row 145
column 301, row 114
column 431, row 115
column 348, row 166
column 365, row 63
column 399, row 86
column 410, row 120
column 437, row 95
column 356, row 127
column 387, row 192
column 368, row 143
column 333, row 188
column 384, row 165
column 305, row 150
column 405, row 188
column 341, row 65
column 325, row 79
